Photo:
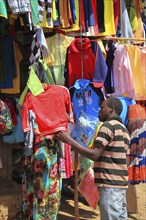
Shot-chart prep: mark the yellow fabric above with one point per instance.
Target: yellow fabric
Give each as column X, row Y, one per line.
column 44, row 23
column 59, row 74
column 57, row 53
column 54, row 10
column 108, row 18
column 139, row 33
column 133, row 19
column 16, row 81
column 137, row 73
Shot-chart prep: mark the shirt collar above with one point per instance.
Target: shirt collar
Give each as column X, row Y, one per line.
column 115, row 118
column 79, row 45
column 81, row 84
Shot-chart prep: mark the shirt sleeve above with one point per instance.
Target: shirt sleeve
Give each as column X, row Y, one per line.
column 69, row 106
column 25, row 111
column 105, row 134
column 100, row 71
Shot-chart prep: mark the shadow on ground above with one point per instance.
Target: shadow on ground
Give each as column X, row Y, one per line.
column 67, row 209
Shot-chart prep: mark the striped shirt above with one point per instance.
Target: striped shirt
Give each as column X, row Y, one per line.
column 111, row 168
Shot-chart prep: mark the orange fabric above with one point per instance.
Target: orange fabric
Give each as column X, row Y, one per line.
column 139, row 33
column 136, row 112
column 65, row 14
column 137, row 72
column 137, row 173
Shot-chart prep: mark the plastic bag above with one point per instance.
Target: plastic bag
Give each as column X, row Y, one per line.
column 6, row 124
column 85, row 129
column 85, row 164
column 89, row 190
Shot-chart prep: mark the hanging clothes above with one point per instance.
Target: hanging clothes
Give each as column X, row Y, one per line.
column 42, row 4
column 56, row 118
column 65, row 14
column 3, row 9
column 109, row 81
column 125, row 26
column 137, row 73
column 16, row 81
column 137, row 152
column 9, row 63
column 109, row 22
column 85, row 97
column 123, row 79
column 42, row 182
column 39, row 47
column 84, row 60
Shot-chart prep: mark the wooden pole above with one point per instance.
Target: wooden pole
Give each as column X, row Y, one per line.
column 75, row 187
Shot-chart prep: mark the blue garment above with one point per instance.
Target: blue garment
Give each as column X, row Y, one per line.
column 85, row 97
column 125, row 102
column 100, row 71
column 10, row 65
column 109, row 81
column 112, row 204
column 73, row 10
column 88, row 14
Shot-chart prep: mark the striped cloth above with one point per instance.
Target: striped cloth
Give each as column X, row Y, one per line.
column 48, row 5
column 39, row 48
column 111, row 168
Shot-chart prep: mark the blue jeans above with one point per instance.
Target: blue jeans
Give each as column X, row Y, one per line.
column 112, row 204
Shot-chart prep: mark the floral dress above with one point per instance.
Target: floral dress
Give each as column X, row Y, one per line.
column 42, row 182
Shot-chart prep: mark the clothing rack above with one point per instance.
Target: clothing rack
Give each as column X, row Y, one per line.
column 120, row 38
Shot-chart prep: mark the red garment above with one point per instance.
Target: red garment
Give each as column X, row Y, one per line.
column 116, row 12
column 81, row 60
column 52, row 108
column 89, row 190
column 82, row 18
column 94, row 8
column 84, row 60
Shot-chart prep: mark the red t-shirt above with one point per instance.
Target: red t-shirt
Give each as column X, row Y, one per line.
column 52, row 108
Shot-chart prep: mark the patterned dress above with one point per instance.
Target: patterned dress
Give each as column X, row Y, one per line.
column 42, row 182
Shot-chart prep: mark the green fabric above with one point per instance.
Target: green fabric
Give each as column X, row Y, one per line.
column 45, row 68
column 35, row 12
column 33, row 83
column 133, row 19
column 59, row 74
column 3, row 9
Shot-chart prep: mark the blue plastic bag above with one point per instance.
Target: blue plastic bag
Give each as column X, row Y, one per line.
column 85, row 129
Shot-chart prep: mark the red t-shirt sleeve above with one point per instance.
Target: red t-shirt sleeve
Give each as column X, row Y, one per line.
column 25, row 110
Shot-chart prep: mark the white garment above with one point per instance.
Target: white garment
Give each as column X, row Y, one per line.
column 19, row 6
column 39, row 41
column 126, row 29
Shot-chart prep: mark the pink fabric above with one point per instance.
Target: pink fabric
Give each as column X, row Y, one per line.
column 123, row 80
